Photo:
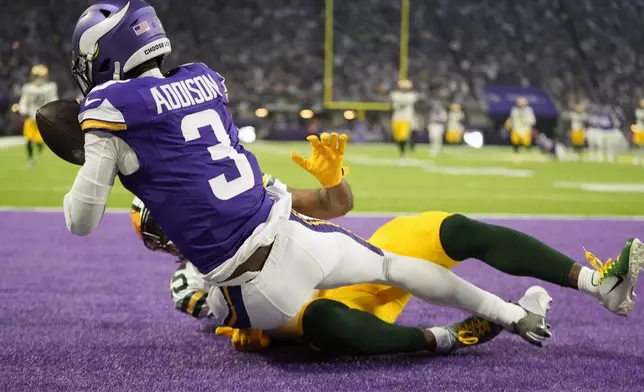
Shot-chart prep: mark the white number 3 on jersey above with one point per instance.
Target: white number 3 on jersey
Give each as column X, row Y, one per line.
column 221, row 188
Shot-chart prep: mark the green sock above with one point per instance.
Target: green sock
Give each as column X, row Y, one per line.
column 507, row 250
column 334, row 328
column 402, row 146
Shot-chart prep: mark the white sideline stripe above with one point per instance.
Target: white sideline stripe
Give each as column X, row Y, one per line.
column 391, row 214
column 489, row 196
column 11, row 141
column 554, row 196
column 382, row 195
column 55, row 209
column 509, row 216
column 602, row 187
column 44, row 188
column 427, row 166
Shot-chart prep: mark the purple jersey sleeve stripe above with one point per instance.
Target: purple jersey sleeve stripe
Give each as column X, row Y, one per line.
column 330, row 227
column 237, row 314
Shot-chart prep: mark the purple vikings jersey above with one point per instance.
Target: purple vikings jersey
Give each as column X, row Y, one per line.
column 204, row 189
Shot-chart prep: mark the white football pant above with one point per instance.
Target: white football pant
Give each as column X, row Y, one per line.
column 594, row 136
column 610, row 144
column 436, row 132
column 310, row 254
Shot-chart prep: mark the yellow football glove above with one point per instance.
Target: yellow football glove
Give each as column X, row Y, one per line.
column 245, row 339
column 325, row 162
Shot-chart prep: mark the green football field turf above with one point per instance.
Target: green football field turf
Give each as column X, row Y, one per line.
column 460, row 180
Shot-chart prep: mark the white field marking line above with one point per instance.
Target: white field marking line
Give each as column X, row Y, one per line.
column 392, row 214
column 55, row 209
column 430, row 167
column 506, row 216
column 427, row 166
column 502, row 154
column 11, row 141
column 599, row 197
column 562, row 217
column 602, row 187
column 41, row 188
column 488, row 196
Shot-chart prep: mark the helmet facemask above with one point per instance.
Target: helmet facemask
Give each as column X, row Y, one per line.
column 82, row 73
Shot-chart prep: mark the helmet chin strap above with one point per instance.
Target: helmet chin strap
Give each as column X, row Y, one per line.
column 117, row 71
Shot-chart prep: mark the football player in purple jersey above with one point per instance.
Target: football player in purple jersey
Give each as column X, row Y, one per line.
column 172, row 142
column 349, row 320
column 354, row 319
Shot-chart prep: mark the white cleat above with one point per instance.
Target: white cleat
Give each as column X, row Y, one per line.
column 618, row 278
column 534, row 328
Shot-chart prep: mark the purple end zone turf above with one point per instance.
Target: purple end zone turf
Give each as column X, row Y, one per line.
column 81, row 314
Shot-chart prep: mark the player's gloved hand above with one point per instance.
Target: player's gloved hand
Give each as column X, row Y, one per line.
column 325, row 162
column 245, row 339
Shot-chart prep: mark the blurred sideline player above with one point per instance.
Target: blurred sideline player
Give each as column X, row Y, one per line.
column 610, row 139
column 549, row 146
column 434, row 236
column 36, row 93
column 402, row 104
column 604, row 135
column 436, row 127
column 578, row 129
column 455, row 128
column 596, row 120
column 520, row 124
column 416, row 128
column 638, row 135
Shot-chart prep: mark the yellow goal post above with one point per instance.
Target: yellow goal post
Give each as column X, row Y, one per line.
column 360, row 106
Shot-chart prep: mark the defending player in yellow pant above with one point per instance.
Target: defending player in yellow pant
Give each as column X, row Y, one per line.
column 30, row 131
column 413, row 236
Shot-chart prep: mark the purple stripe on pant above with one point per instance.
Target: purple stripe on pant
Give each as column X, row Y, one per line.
column 323, row 226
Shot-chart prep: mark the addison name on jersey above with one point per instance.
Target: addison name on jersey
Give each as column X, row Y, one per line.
column 186, row 93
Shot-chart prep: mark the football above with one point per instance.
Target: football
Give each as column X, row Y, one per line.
column 58, row 125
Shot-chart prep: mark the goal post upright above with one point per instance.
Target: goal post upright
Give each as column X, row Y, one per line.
column 360, row 106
